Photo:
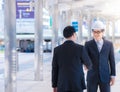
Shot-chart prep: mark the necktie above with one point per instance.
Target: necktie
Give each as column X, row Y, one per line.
column 99, row 45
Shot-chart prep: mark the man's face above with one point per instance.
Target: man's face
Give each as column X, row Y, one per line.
column 98, row 34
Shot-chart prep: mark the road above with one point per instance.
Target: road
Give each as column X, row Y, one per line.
column 25, row 75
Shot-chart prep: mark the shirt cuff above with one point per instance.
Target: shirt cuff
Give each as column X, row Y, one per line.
column 112, row 76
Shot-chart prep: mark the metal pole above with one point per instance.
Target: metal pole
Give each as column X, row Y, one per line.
column 80, row 21
column 63, row 19
column 89, row 26
column 38, row 40
column 60, row 27
column 107, row 29
column 10, row 45
column 68, row 17
column 55, row 26
column 113, row 31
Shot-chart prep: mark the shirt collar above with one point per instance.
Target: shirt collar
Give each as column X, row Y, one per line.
column 100, row 41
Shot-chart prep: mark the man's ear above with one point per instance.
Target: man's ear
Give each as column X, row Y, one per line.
column 73, row 35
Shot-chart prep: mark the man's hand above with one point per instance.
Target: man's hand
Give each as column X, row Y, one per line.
column 54, row 89
column 85, row 68
column 112, row 81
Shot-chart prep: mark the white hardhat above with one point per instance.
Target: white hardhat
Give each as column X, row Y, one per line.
column 98, row 25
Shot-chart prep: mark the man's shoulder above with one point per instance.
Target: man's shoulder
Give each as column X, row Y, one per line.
column 89, row 42
column 108, row 42
column 74, row 46
column 57, row 47
column 79, row 45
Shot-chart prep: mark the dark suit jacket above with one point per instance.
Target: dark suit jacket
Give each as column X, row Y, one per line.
column 103, row 62
column 67, row 69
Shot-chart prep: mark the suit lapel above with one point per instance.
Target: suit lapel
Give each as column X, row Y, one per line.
column 95, row 46
column 104, row 46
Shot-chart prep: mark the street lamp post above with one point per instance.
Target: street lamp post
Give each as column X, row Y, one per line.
column 38, row 40
column 10, row 45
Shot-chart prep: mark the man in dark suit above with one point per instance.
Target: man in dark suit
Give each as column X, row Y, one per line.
column 101, row 53
column 67, row 64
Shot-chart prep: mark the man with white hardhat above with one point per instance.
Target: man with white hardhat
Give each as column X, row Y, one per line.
column 98, row 25
column 101, row 53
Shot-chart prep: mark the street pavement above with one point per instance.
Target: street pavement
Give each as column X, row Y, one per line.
column 25, row 76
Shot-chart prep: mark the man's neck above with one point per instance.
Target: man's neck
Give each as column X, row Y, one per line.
column 98, row 39
column 70, row 38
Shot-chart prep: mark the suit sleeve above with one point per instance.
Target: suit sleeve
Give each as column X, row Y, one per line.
column 54, row 70
column 112, row 61
column 85, row 58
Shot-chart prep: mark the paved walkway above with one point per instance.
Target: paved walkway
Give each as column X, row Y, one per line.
column 25, row 75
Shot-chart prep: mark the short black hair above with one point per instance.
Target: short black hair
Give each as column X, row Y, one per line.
column 68, row 31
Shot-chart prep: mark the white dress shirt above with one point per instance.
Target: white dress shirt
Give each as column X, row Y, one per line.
column 99, row 44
